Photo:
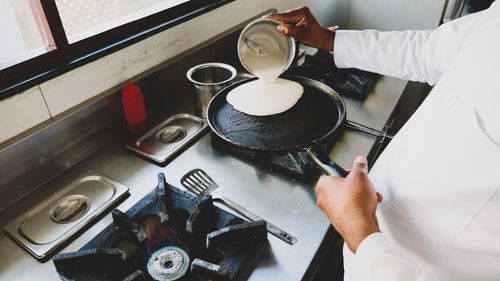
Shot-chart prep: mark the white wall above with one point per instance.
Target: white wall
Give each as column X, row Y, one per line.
column 328, row 12
column 395, row 14
column 21, row 112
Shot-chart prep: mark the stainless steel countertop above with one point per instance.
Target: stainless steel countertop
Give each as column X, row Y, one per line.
column 289, row 204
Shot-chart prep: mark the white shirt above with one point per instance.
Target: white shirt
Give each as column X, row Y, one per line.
column 440, row 175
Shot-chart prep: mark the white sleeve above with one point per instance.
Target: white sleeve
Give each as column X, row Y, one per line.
column 411, row 55
column 378, row 260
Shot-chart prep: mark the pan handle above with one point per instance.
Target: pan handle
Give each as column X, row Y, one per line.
column 368, row 130
column 326, row 164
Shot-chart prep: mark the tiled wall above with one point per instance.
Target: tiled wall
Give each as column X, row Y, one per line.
column 395, row 14
column 67, row 92
column 21, row 112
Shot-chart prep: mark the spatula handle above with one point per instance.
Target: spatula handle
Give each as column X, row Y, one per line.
column 271, row 228
column 368, row 130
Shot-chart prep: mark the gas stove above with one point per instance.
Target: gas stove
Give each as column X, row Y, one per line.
column 169, row 234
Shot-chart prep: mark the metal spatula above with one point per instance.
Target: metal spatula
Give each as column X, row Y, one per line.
column 200, row 184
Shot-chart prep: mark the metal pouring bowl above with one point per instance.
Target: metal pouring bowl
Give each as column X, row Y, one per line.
column 208, row 79
column 260, row 36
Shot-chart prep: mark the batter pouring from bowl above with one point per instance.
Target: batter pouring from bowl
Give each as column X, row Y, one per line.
column 263, row 54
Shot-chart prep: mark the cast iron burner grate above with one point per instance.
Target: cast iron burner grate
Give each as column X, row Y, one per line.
column 294, row 164
column 169, row 234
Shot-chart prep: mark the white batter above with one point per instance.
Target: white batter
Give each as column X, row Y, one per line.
column 267, row 66
column 261, row 98
column 268, row 95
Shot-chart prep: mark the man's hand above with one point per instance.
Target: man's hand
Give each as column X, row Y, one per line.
column 350, row 203
column 303, row 26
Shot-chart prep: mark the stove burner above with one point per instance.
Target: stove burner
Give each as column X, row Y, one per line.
column 169, row 234
column 168, row 263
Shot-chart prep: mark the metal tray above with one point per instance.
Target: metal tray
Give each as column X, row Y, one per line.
column 47, row 225
column 164, row 141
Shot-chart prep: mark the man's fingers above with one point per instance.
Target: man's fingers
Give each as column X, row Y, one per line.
column 293, row 16
column 282, row 18
column 276, row 16
column 326, row 187
column 285, row 18
column 296, row 32
column 327, row 182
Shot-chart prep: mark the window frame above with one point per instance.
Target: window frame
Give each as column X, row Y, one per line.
column 31, row 72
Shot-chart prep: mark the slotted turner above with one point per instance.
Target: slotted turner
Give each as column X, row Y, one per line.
column 200, row 184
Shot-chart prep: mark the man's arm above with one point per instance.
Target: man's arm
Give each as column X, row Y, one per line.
column 413, row 55
column 350, row 203
column 422, row 55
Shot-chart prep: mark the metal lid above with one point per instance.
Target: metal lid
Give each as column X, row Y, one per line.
column 69, row 208
column 259, row 40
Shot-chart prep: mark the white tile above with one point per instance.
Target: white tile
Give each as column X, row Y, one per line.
column 83, row 83
column 21, row 112
column 390, row 15
column 213, row 23
column 285, row 5
column 328, row 12
column 279, row 5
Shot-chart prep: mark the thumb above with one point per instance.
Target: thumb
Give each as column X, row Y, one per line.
column 360, row 163
column 379, row 197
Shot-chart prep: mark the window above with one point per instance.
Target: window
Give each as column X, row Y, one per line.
column 44, row 38
column 25, row 31
column 84, row 18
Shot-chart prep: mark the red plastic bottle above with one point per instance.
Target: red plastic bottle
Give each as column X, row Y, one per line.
column 134, row 109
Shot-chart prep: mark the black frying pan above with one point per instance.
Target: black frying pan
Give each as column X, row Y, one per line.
column 318, row 114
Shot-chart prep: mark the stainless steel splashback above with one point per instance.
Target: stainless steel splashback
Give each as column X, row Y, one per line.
column 40, row 157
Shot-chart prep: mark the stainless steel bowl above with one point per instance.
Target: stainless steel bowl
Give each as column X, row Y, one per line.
column 260, row 38
column 208, row 79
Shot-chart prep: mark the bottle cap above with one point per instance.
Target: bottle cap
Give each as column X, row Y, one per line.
column 131, row 91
